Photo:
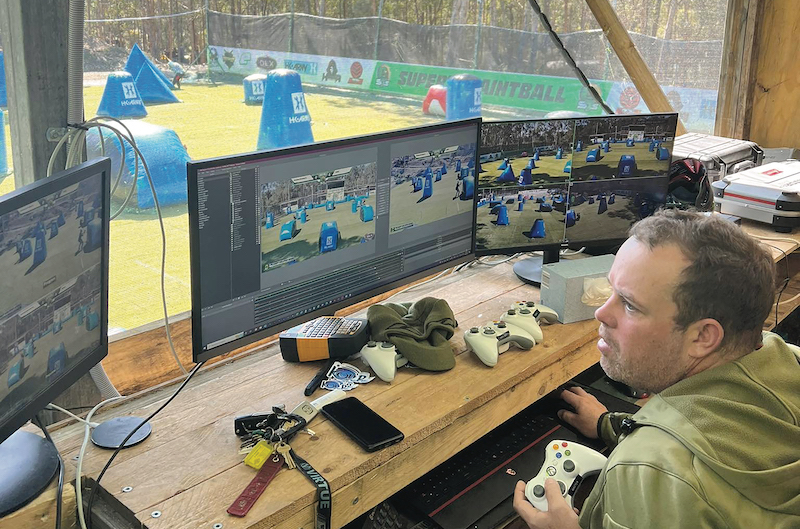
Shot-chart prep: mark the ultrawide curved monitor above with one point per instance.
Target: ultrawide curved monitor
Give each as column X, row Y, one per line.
column 54, row 284
column 281, row 237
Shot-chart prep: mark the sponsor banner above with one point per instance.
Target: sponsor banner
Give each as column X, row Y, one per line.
column 536, row 92
column 696, row 107
column 316, row 69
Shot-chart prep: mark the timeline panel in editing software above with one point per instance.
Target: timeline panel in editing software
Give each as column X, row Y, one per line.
column 281, row 235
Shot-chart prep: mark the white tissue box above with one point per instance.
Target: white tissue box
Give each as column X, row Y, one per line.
column 563, row 282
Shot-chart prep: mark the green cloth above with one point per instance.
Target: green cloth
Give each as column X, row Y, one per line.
column 419, row 331
column 720, row 449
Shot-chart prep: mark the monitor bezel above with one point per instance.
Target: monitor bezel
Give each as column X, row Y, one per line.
column 30, row 193
column 564, row 243
column 192, row 168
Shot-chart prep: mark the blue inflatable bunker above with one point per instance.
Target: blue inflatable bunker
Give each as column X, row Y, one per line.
column 285, row 120
column 57, row 360
column 39, row 251
column 166, row 158
column 288, row 230
column 571, row 218
column 559, row 154
column 503, row 165
column 568, row 167
column 602, row 206
column 16, row 373
column 427, row 189
column 537, row 230
column 254, row 88
column 592, row 155
column 627, row 165
column 544, row 207
column 630, row 143
column 463, row 97
column 135, row 61
column 417, row 184
column 662, row 153
column 502, row 215
column 121, row 98
column 367, row 213
column 507, row 175
column 438, row 176
column 467, row 188
column 92, row 320
column 328, row 237
column 152, row 86
column 525, row 177
column 269, row 220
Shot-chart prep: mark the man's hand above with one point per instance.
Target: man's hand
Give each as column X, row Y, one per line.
column 559, row 514
column 587, row 411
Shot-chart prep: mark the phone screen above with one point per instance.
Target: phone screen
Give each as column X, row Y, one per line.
column 367, row 428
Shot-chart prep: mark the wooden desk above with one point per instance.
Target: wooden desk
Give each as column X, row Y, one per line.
column 190, row 469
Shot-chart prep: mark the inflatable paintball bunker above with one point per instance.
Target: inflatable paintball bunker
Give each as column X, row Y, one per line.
column 152, row 86
column 328, row 237
column 367, row 213
column 435, row 101
column 285, row 120
column 463, row 97
column 121, row 98
column 254, row 89
column 288, row 231
column 166, row 158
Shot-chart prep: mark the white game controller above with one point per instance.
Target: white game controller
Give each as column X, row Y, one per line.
column 568, row 463
column 383, row 359
column 524, row 319
column 494, row 338
column 545, row 314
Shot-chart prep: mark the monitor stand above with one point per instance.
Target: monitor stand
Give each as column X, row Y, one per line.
column 530, row 270
column 28, row 464
column 112, row 432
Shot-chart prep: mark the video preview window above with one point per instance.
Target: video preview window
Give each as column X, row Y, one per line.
column 622, row 147
column 537, row 153
column 431, row 185
column 313, row 215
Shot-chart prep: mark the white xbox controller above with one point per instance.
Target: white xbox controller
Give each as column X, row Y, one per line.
column 494, row 338
column 524, row 319
column 568, row 463
column 383, row 359
column 541, row 312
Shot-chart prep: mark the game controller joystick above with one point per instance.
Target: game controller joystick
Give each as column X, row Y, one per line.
column 568, row 463
column 489, row 341
column 524, row 319
column 545, row 314
column 383, row 359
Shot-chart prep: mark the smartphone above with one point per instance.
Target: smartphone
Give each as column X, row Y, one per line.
column 371, row 431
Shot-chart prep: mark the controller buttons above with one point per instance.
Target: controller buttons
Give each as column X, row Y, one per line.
column 563, row 487
column 524, row 311
column 551, row 471
column 474, row 330
column 488, row 331
column 511, row 312
column 564, row 444
column 372, row 344
column 567, row 452
column 530, row 303
column 558, row 455
column 555, row 446
column 386, row 345
column 538, row 491
column 501, row 325
column 569, row 466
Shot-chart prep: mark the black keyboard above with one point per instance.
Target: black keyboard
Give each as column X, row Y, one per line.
column 482, row 459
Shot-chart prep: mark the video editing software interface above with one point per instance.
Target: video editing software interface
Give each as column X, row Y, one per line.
column 282, row 236
column 546, row 183
column 52, row 310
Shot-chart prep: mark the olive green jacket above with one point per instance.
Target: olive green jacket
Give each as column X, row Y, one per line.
column 720, row 449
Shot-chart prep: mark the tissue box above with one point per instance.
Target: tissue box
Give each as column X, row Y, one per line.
column 562, row 286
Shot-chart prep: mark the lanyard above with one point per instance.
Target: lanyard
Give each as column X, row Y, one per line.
column 323, row 520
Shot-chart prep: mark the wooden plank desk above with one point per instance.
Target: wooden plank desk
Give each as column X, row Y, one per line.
column 190, row 470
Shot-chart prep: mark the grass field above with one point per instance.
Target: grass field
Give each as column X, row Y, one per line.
column 210, row 121
column 606, row 166
column 548, row 170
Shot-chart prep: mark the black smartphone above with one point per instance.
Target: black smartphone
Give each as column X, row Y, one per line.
column 371, row 431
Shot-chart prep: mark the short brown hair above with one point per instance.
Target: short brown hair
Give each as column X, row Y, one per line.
column 730, row 278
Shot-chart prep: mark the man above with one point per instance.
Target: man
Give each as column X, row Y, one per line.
column 718, row 444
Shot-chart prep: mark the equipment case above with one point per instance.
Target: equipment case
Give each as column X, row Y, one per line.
column 719, row 155
column 770, row 194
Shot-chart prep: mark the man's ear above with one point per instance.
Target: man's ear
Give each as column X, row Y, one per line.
column 705, row 337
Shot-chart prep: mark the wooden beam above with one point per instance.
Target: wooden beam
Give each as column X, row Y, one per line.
column 41, row 511
column 737, row 72
column 631, row 59
column 35, row 50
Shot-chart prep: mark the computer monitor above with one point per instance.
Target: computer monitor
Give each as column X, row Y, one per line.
column 53, row 311
column 281, row 237
column 546, row 184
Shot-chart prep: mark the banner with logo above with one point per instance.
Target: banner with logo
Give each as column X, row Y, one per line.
column 696, row 107
column 315, row 69
column 536, row 92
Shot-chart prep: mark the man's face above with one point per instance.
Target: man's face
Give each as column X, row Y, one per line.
column 639, row 343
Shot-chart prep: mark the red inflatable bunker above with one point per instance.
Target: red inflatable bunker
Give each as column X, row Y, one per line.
column 436, row 101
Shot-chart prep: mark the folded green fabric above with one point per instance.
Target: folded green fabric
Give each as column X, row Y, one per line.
column 420, row 331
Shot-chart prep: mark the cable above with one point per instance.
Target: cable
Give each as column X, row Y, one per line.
column 194, row 370
column 52, row 406
column 78, row 472
column 567, row 56
column 415, row 285
column 76, row 153
column 38, row 422
column 569, row 253
column 785, row 281
column 501, row 261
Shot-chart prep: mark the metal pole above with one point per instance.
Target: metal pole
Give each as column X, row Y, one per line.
column 478, row 36
column 378, row 31
column 291, row 29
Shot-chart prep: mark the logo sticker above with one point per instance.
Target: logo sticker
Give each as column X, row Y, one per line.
column 356, row 70
column 299, row 103
column 477, row 96
column 129, row 90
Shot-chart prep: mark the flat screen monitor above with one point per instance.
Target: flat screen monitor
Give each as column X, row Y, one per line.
column 546, row 184
column 54, row 284
column 281, row 237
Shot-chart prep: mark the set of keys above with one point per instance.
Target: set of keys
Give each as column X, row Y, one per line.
column 267, row 434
